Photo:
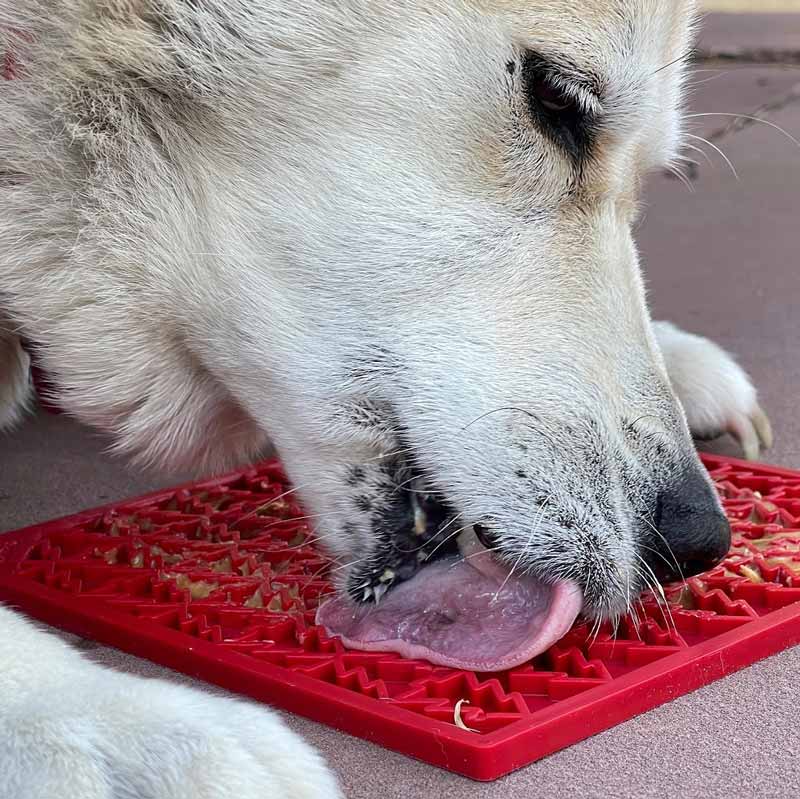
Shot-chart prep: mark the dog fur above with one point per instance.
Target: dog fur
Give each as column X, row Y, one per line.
column 340, row 229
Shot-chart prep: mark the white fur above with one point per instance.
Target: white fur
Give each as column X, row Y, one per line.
column 336, row 228
column 714, row 390
column 70, row 728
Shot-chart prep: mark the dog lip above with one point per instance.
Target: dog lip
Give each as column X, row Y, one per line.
column 418, row 534
column 488, row 539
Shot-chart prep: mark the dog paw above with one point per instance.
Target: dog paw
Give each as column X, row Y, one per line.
column 716, row 393
column 106, row 735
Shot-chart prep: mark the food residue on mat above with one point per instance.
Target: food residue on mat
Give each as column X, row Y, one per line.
column 198, row 589
column 459, row 722
column 751, row 574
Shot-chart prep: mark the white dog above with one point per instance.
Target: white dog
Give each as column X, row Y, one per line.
column 392, row 239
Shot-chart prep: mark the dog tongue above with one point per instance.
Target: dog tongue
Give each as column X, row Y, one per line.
column 465, row 613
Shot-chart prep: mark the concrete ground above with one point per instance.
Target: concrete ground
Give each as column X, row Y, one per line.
column 721, row 260
column 750, row 6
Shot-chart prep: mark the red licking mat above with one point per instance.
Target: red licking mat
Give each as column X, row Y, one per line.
column 221, row 580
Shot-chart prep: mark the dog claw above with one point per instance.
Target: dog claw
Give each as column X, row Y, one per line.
column 763, row 427
column 754, row 432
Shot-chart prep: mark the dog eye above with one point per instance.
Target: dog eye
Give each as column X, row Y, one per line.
column 550, row 97
column 557, row 114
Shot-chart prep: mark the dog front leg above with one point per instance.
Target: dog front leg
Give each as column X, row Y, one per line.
column 71, row 728
column 716, row 393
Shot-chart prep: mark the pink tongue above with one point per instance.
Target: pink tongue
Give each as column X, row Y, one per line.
column 465, row 613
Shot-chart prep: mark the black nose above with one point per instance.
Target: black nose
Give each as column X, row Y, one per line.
column 694, row 535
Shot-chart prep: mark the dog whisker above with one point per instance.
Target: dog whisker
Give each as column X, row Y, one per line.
column 677, row 565
column 720, row 74
column 717, row 149
column 449, row 537
column 392, row 454
column 682, row 177
column 749, row 118
column 343, row 566
column 700, row 150
column 657, row 590
column 680, row 60
column 261, row 508
column 687, row 160
column 524, row 550
column 465, row 558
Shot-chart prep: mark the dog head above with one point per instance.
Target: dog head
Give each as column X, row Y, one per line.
column 427, row 290
column 464, row 331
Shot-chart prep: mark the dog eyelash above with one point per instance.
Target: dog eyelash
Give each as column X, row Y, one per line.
column 550, row 97
column 562, row 117
column 549, row 100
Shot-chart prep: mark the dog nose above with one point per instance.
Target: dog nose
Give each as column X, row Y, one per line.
column 694, row 535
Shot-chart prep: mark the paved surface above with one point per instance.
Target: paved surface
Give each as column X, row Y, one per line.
column 722, row 261
column 770, row 37
column 750, row 6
